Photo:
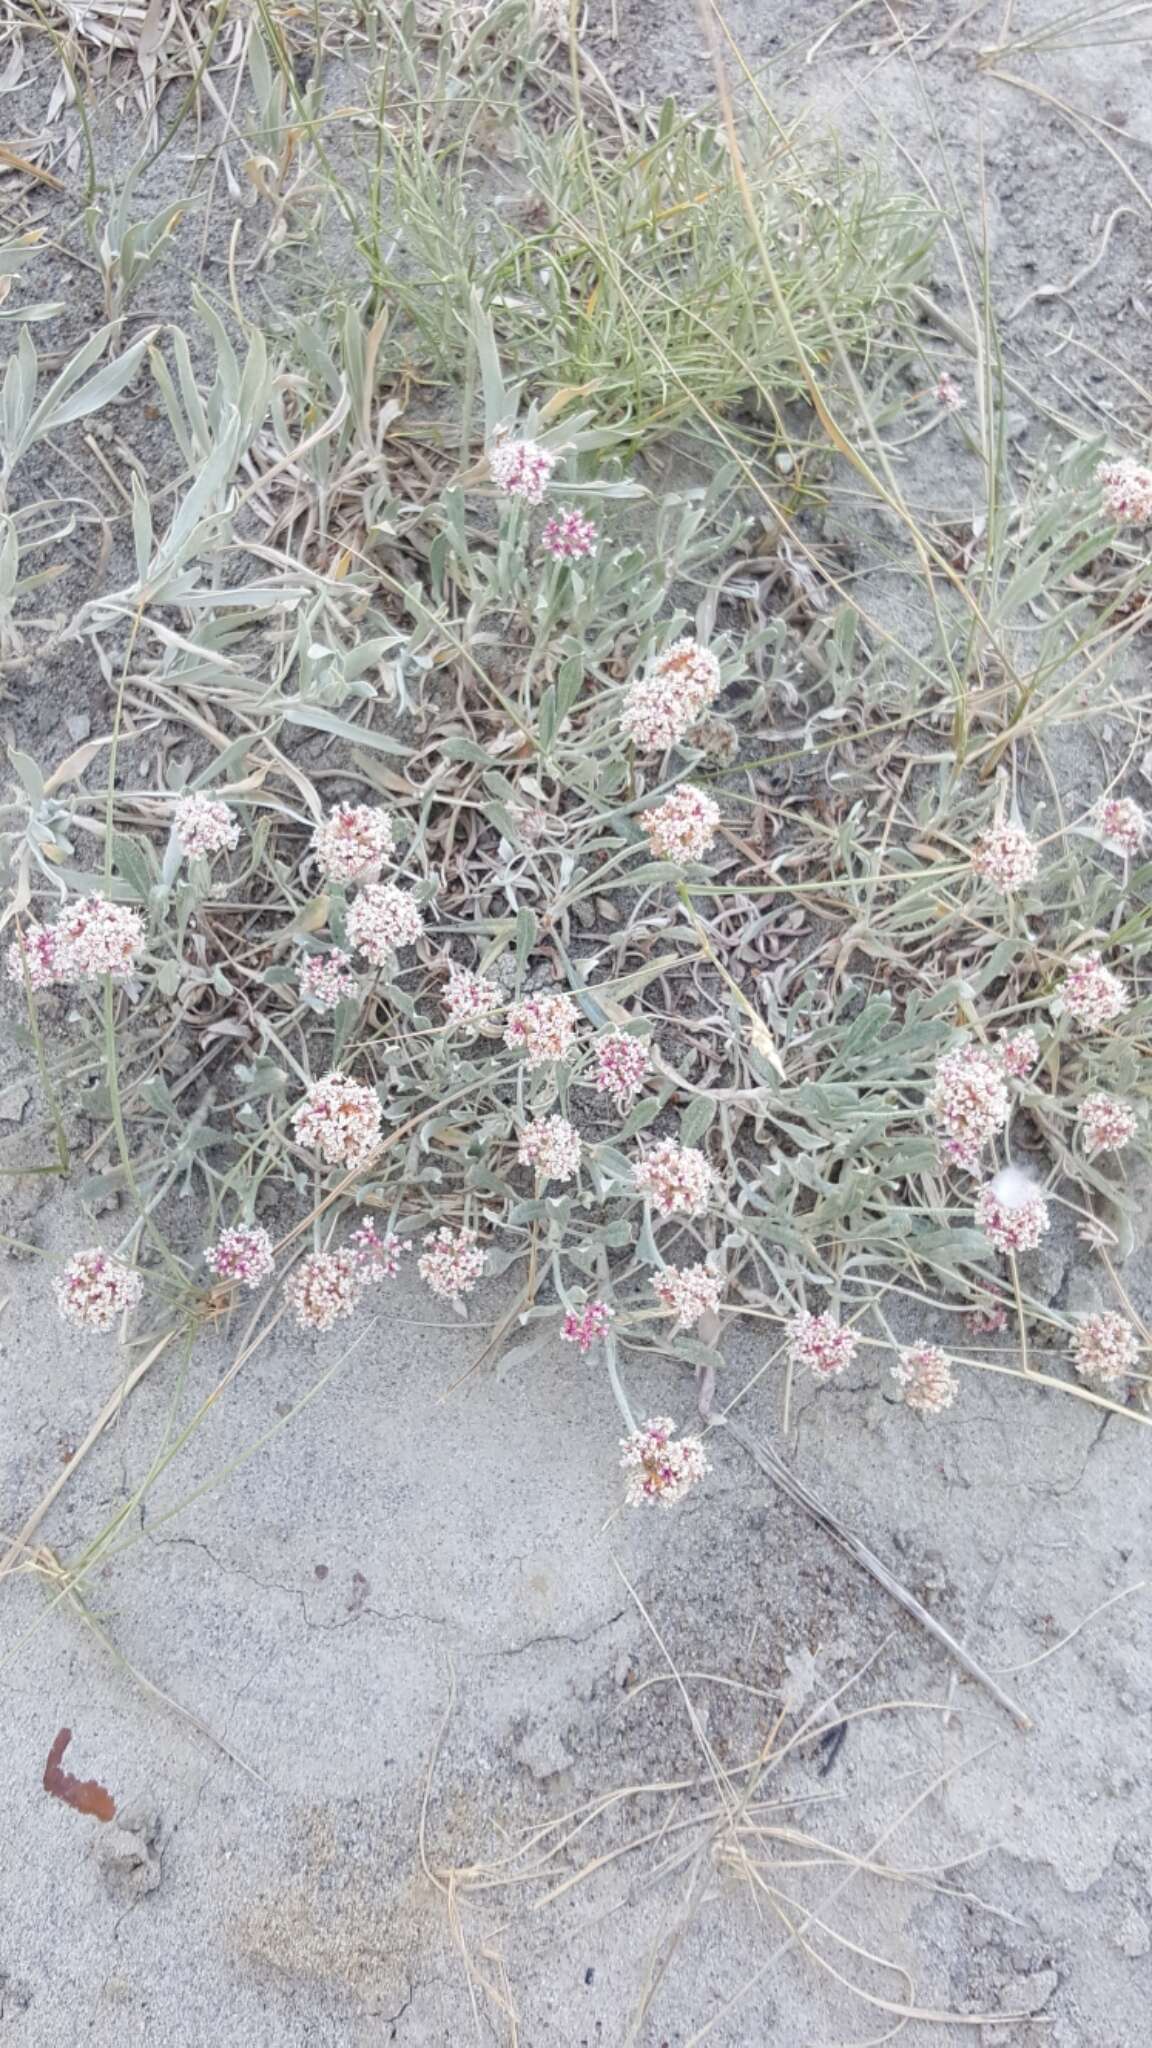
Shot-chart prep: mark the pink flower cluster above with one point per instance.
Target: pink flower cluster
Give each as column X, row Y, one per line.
column 927, row 1378
column 662, row 704
column 32, row 957
column 1126, row 487
column 1106, row 1124
column 95, row 1288
column 542, row 1027
column 1105, row 1347
column 353, row 842
column 325, row 979
column 90, row 938
column 381, row 920
column 451, row 1263
column 677, row 1179
column 689, row 1292
column 1007, row 858
column 324, row 1287
column 521, row 469
column 379, row 1257
column 584, row 1327
column 553, row 1147
column 1092, row 995
column 242, row 1254
column 969, row 1104
column 1018, row 1052
column 204, row 826
column 683, row 826
column 1121, row 825
column 340, row 1119
column 623, row 1064
column 469, row 998
column 987, row 1319
column 568, row 535
column 1012, row 1212
column 660, row 1466
column 822, row 1344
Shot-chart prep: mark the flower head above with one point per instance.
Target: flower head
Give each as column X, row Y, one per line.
column 353, row 842
column 521, row 469
column 1105, row 1347
column 1018, row 1052
column 682, row 827
column 988, row 1318
column 661, row 704
column 96, row 937
column 949, row 396
column 822, row 1344
column 242, row 1254
column 623, row 1064
column 1106, row 1124
column 660, row 1466
column 95, row 1288
column 381, row 920
column 1007, row 858
column 676, row 1178
column 204, row 826
column 689, row 1292
column 469, row 998
column 553, row 1146
column 451, row 1263
column 1121, row 825
column 325, row 979
column 1092, row 995
column 1012, row 1212
column 928, row 1380
column 322, row 1288
column 1126, row 487
column 340, row 1119
column 542, row 1027
column 969, row 1103
column 34, row 957
column 587, row 1325
column 379, row 1257
column 568, row 535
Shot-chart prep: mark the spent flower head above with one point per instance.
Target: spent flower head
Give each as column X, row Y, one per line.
column 1105, row 1347
column 820, row 1343
column 661, row 704
column 469, row 999
column 451, row 1262
column 1126, row 488
column 553, row 1147
column 542, row 1027
column 324, row 1287
column 521, row 469
column 949, row 395
column 1012, row 1212
column 1007, row 858
column 381, row 920
column 340, row 1119
column 676, row 1178
column 969, row 1103
column 682, row 827
column 353, row 842
column 1105, row 1123
column 379, row 1257
column 204, row 826
column 1091, row 994
column 689, row 1292
column 326, row 979
column 95, row 937
column 1017, row 1052
column 1121, row 825
column 926, row 1376
column 242, row 1254
column 96, row 1287
column 661, row 1466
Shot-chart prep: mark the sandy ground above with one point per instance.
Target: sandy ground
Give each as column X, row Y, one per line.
column 342, row 1682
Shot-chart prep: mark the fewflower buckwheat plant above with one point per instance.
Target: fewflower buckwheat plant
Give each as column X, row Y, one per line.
column 1126, row 488
column 469, row 999
column 543, row 1028
column 660, row 1466
column 353, row 842
column 1092, row 995
column 326, row 979
column 382, row 919
column 1121, row 825
column 585, row 1326
column 1007, row 858
column 242, row 1254
column 683, row 826
column 688, row 1292
column 927, row 1378
column 33, row 957
column 204, row 826
column 969, row 1104
column 1105, row 1124
column 623, row 1064
column 96, row 937
column 1017, row 1052
column 676, row 1178
column 521, row 469
column 324, row 1287
column 568, row 536
column 553, row 1147
column 95, row 1288
column 820, row 1343
column 451, row 1263
column 1105, row 1347
column 1012, row 1212
column 340, row 1119
column 379, row 1257
column 668, row 698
